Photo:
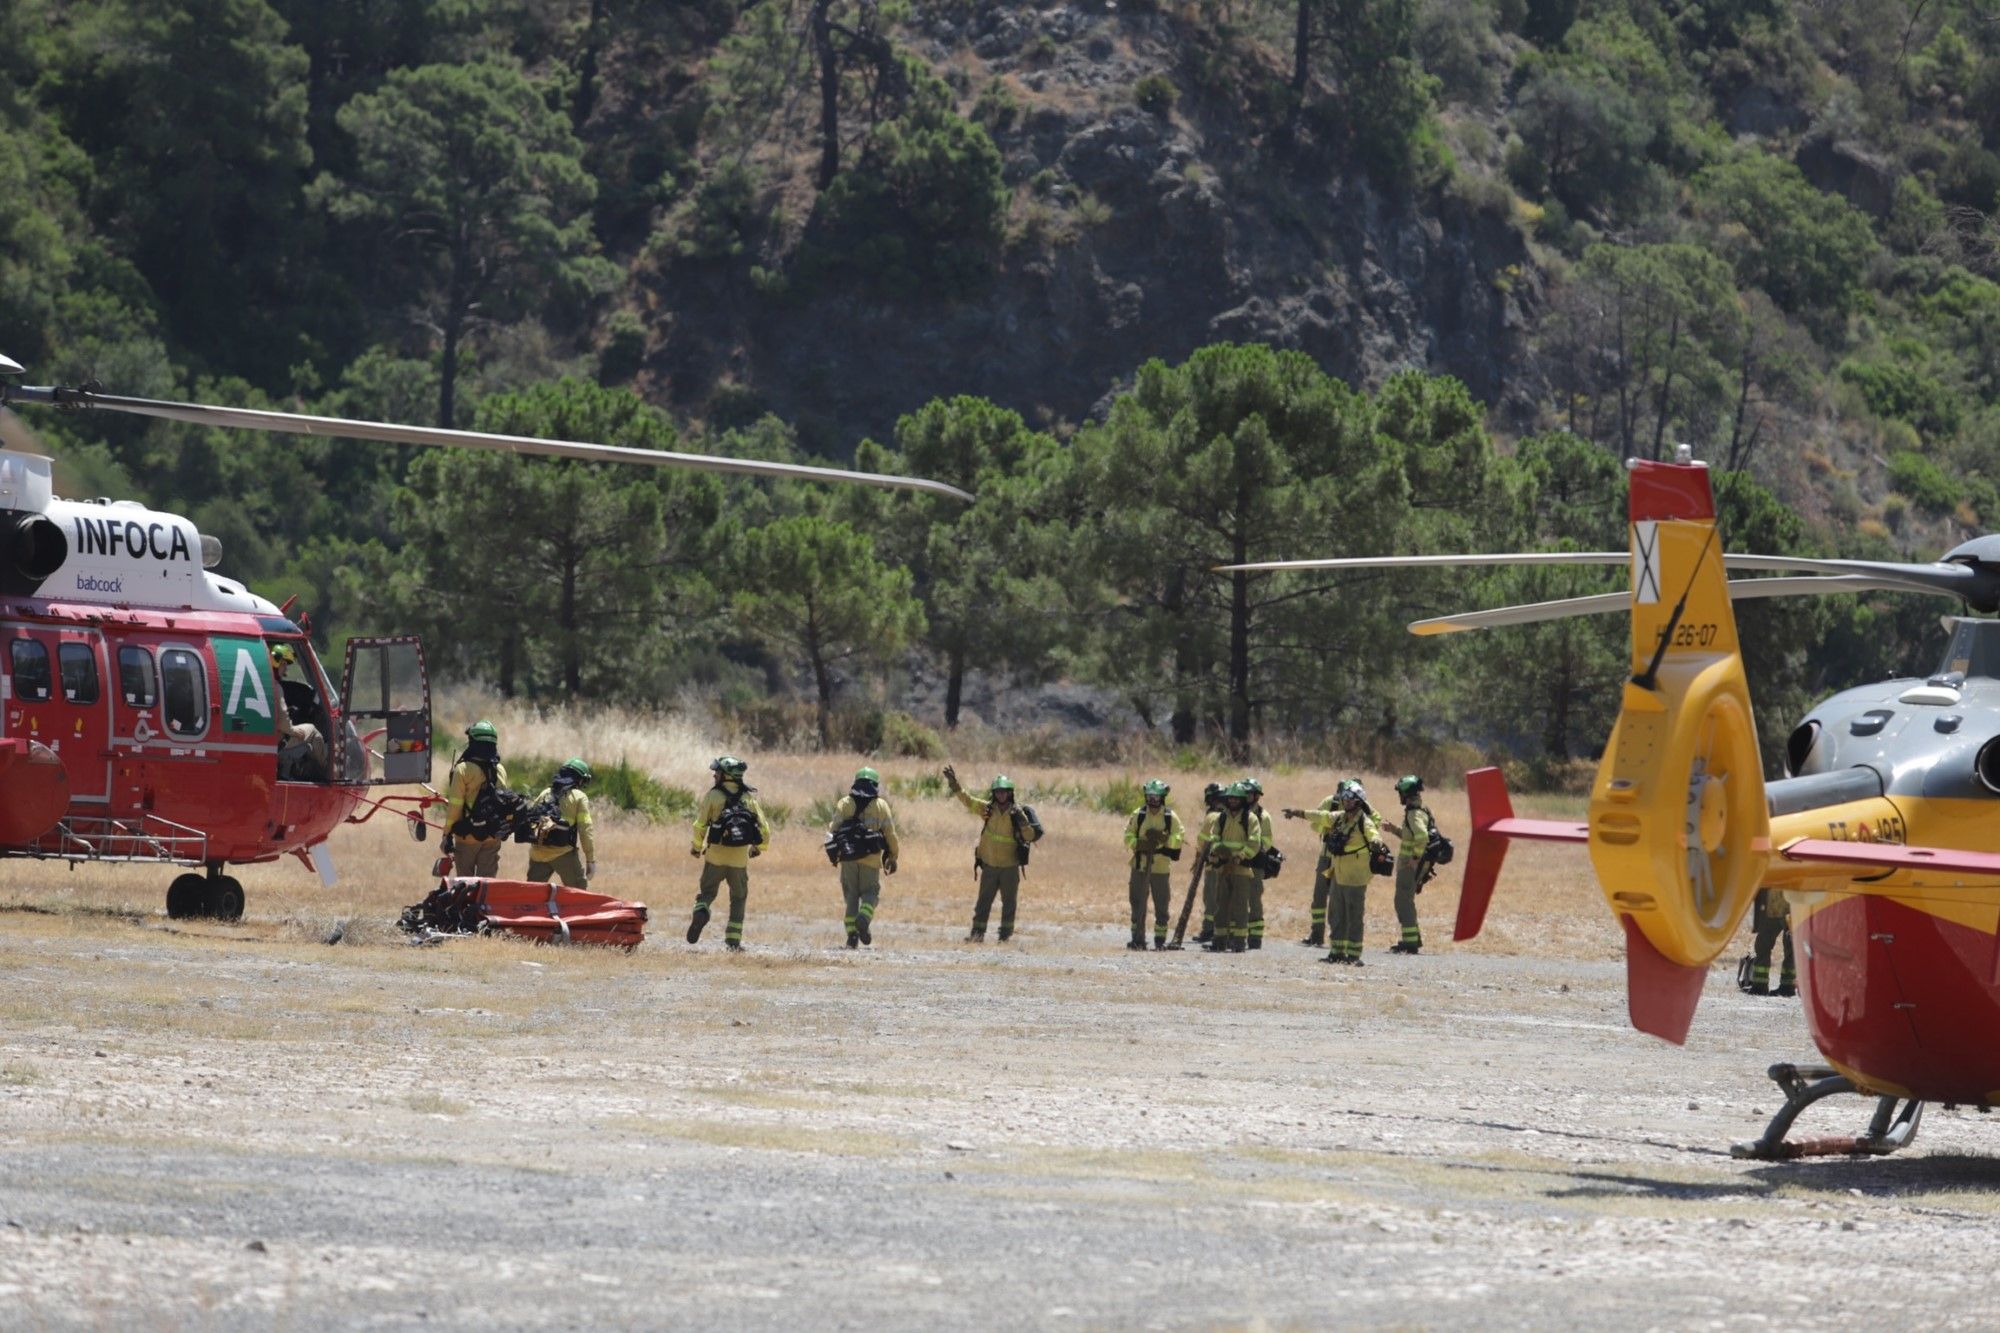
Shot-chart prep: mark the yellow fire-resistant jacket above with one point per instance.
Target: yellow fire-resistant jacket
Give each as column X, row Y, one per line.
column 1352, row 836
column 879, row 817
column 464, row 783
column 1240, row 837
column 996, row 829
column 710, row 810
column 1414, row 832
column 1163, row 822
column 574, row 808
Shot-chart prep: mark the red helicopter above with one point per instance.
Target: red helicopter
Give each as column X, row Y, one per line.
column 144, row 710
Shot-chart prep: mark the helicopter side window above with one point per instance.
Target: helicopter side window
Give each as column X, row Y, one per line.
column 79, row 672
column 185, row 685
column 31, row 670
column 135, row 678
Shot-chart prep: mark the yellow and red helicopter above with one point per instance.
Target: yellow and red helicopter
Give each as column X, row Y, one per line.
column 1884, row 833
column 138, row 697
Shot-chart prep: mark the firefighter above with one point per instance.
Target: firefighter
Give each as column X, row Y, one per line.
column 301, row 745
column 1772, row 918
column 1231, row 839
column 1211, row 801
column 471, row 835
column 1255, row 806
column 729, row 829
column 1154, row 835
column 564, row 843
column 863, row 812
column 1322, row 885
column 1005, row 830
column 1413, row 867
column 1351, row 834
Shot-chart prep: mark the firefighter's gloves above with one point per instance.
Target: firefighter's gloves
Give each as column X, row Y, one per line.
column 888, row 865
column 951, row 778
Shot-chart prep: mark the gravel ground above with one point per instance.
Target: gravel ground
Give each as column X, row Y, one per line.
column 228, row 1127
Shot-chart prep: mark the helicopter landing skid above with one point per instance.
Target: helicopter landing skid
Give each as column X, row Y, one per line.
column 1888, row 1131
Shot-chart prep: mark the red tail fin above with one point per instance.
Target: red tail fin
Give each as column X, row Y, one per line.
column 1660, row 993
column 1493, row 823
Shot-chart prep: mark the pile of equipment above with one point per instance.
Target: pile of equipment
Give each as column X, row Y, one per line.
column 548, row 913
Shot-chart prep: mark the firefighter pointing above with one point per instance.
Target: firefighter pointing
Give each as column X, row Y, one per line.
column 1005, row 832
column 1353, row 840
column 729, row 829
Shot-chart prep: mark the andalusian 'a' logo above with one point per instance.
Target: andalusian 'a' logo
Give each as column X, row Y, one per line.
column 247, row 687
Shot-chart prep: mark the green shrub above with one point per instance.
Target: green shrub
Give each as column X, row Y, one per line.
column 905, row 737
column 1903, row 389
column 1121, row 796
column 624, row 348
column 1924, row 482
column 1156, row 95
column 923, row 787
column 616, row 786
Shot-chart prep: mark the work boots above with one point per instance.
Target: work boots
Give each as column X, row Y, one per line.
column 1256, row 941
column 1207, row 935
column 1786, row 990
column 861, row 929
column 696, row 924
column 1006, row 933
column 1137, row 943
column 1237, row 944
column 1316, row 940
column 977, row 935
column 853, row 940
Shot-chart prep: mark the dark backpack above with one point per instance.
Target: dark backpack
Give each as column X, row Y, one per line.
column 737, row 826
column 494, row 809
column 1268, row 862
column 1438, row 850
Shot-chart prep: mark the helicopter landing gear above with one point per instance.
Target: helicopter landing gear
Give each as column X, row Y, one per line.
column 1889, row 1130
column 224, row 898
column 187, row 897
column 212, row 895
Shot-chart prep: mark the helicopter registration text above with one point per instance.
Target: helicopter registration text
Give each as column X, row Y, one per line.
column 1887, row 829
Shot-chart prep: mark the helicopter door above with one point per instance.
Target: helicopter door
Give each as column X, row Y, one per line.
column 388, row 725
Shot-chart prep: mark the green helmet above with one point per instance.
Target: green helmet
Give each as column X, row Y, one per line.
column 867, row 775
column 1349, row 790
column 729, row 766
column 1236, row 790
column 1251, row 787
column 1003, row 783
column 1157, row 788
column 580, row 770
column 1408, row 783
column 482, row 730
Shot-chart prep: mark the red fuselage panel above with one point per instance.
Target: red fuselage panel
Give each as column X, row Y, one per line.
column 1903, row 998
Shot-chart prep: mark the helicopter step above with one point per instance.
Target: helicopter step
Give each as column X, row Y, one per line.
column 1889, row 1130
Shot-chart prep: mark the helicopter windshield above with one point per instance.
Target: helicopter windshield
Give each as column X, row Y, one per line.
column 1974, row 650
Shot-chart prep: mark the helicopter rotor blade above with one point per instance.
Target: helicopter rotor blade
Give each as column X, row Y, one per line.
column 1604, row 603
column 1976, row 584
column 1436, row 561
column 293, row 423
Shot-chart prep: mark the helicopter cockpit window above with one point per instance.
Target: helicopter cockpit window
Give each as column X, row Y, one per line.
column 79, row 672
column 136, row 682
column 30, row 662
column 186, row 687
